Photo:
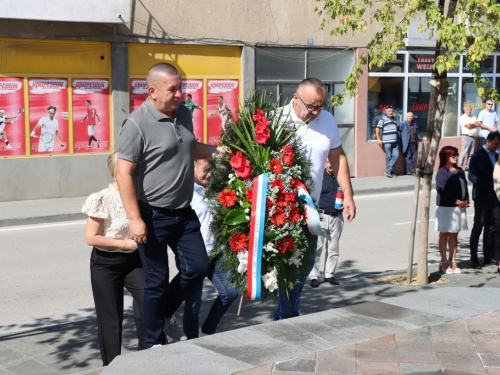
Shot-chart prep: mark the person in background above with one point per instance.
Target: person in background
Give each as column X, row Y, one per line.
column 332, row 222
column 114, row 264
column 496, row 213
column 489, row 121
column 468, row 124
column 409, row 139
column 451, row 201
column 387, row 137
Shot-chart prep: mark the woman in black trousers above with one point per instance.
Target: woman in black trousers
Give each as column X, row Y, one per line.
column 114, row 264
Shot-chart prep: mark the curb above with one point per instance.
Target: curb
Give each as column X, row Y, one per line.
column 42, row 219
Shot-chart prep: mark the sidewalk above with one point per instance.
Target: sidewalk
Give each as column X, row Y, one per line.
column 66, row 209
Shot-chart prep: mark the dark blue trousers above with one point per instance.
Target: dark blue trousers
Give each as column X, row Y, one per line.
column 179, row 230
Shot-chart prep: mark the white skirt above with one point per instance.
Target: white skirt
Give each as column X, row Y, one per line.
column 450, row 219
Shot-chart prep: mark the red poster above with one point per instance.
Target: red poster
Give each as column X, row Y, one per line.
column 138, row 93
column 222, row 99
column 90, row 114
column 192, row 98
column 49, row 117
column 12, row 132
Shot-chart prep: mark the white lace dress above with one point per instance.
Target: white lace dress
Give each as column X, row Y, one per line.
column 107, row 205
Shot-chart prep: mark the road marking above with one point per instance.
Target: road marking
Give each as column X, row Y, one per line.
column 356, row 197
column 37, row 226
column 418, row 221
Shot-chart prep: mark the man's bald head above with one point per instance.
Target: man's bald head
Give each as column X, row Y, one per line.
column 159, row 70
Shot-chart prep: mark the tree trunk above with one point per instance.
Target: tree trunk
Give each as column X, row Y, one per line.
column 437, row 104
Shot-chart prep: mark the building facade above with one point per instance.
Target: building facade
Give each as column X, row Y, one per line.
column 101, row 52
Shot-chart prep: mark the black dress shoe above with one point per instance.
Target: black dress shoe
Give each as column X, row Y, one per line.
column 314, row 283
column 493, row 262
column 475, row 265
column 332, row 281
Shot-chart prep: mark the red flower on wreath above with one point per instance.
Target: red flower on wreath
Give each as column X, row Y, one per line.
column 288, row 150
column 293, row 183
column 285, row 244
column 275, row 166
column 238, row 242
column 304, row 214
column 269, row 203
column 288, row 159
column 241, row 165
column 249, row 195
column 227, row 197
column 291, row 197
column 294, row 215
column 278, row 182
column 281, row 199
column 262, row 133
column 259, row 113
column 278, row 217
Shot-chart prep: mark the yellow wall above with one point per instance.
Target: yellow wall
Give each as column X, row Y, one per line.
column 37, row 58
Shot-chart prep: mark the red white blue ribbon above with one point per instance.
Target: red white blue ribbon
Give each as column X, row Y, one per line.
column 313, row 219
column 257, row 221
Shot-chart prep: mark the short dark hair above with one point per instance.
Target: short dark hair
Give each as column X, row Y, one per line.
column 88, row 101
column 160, row 69
column 318, row 85
column 189, row 96
column 51, row 107
column 492, row 136
column 221, row 97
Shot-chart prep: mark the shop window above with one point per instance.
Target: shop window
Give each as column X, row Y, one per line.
column 422, row 63
column 394, row 66
column 486, row 65
column 280, row 64
column 383, row 92
column 320, row 63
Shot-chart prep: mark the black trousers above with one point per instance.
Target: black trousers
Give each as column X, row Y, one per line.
column 483, row 218
column 109, row 274
column 496, row 215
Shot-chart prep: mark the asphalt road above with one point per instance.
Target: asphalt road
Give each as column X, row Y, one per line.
column 44, row 273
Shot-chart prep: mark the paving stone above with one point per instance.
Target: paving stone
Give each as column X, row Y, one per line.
column 377, row 368
column 29, row 366
column 462, row 363
column 454, row 331
column 5, row 372
column 9, row 357
column 297, row 365
column 421, row 334
column 344, row 357
column 420, row 368
column 493, row 370
column 261, row 370
column 488, row 347
column 491, row 360
column 30, row 348
column 380, row 343
column 396, row 356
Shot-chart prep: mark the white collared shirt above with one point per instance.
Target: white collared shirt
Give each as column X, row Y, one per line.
column 203, row 213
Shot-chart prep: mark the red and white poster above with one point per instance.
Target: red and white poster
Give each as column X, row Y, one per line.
column 138, row 93
column 12, row 130
column 90, row 115
column 192, row 98
column 49, row 116
column 222, row 102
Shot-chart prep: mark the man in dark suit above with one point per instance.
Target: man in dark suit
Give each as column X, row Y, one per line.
column 409, row 141
column 481, row 167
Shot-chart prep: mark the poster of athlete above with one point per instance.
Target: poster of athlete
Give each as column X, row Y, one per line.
column 12, row 131
column 222, row 103
column 48, row 104
column 192, row 98
column 138, row 93
column 90, row 115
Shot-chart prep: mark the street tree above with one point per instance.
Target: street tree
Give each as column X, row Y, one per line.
column 468, row 28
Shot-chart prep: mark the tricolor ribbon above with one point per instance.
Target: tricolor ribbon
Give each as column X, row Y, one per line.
column 313, row 219
column 257, row 221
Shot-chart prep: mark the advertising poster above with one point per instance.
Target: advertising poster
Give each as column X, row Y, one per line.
column 12, row 131
column 222, row 103
column 90, row 115
column 192, row 98
column 138, row 93
column 49, row 117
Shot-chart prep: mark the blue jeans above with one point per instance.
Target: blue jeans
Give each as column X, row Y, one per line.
column 226, row 295
column 391, row 156
column 284, row 311
column 179, row 230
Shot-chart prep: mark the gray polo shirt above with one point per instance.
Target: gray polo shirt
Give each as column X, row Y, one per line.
column 163, row 151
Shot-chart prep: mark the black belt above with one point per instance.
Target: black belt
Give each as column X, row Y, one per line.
column 467, row 135
column 165, row 211
column 332, row 214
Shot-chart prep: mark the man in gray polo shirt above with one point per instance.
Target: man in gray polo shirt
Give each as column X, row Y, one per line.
column 387, row 136
column 156, row 175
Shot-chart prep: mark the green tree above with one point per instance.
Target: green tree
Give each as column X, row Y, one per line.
column 468, row 28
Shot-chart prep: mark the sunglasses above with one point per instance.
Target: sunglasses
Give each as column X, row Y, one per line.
column 311, row 107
